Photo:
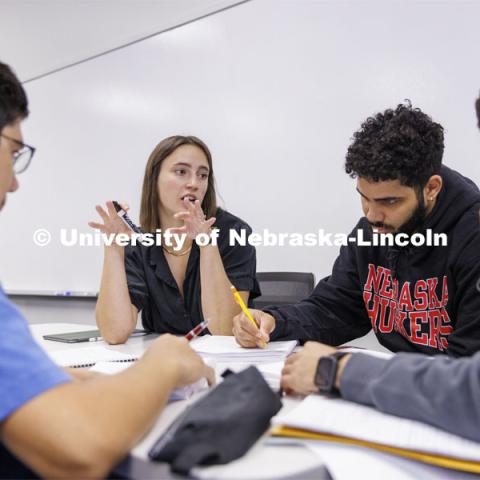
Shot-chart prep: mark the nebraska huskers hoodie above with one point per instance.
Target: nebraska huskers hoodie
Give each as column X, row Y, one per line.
column 417, row 299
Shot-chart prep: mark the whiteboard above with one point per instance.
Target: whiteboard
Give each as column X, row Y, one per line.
column 275, row 88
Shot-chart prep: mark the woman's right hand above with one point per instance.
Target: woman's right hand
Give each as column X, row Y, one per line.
column 112, row 223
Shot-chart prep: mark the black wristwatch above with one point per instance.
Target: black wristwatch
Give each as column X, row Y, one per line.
column 326, row 373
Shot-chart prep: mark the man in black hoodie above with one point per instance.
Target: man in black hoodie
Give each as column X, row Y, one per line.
column 443, row 391
column 416, row 298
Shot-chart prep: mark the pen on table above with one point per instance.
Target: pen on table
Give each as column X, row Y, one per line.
column 196, row 331
column 95, row 339
column 244, row 308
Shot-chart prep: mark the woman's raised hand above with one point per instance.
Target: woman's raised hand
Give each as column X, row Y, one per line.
column 194, row 220
column 112, row 223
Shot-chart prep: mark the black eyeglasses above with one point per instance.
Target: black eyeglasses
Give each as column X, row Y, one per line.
column 22, row 157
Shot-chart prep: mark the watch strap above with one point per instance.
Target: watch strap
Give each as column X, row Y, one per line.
column 326, row 373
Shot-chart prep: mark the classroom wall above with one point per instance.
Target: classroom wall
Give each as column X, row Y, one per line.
column 276, row 88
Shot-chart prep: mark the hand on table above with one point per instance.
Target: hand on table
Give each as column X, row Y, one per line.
column 298, row 373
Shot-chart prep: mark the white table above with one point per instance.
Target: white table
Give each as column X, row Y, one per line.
column 261, row 461
column 284, row 459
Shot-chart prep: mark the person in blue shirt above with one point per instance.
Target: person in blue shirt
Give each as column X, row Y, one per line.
column 62, row 423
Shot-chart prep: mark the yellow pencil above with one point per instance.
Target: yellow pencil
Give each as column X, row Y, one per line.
column 244, row 308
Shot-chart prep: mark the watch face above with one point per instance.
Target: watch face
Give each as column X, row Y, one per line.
column 325, row 375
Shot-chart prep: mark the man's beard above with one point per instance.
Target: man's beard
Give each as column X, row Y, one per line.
column 416, row 220
column 414, row 223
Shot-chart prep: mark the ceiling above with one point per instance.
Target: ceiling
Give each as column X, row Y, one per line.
column 40, row 36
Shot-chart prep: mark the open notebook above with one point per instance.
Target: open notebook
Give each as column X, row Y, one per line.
column 337, row 420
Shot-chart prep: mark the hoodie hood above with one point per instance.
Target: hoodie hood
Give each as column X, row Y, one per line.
column 458, row 194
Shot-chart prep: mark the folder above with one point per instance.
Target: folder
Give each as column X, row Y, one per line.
column 336, row 420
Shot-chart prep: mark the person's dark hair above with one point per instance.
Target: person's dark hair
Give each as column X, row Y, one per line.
column 477, row 108
column 13, row 99
column 149, row 218
column 404, row 144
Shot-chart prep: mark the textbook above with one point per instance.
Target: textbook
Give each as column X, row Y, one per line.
column 336, row 420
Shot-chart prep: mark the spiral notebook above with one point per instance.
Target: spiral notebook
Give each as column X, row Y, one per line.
column 87, row 357
column 109, row 362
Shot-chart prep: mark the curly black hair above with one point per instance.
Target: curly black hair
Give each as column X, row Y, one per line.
column 404, row 144
column 13, row 99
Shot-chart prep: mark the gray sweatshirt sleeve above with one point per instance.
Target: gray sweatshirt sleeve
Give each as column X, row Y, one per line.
column 441, row 391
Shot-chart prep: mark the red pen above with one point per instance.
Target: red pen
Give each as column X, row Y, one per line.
column 195, row 332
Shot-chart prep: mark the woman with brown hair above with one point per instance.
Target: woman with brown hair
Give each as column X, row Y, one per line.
column 178, row 284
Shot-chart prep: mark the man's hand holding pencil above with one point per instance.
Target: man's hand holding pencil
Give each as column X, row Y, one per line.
column 254, row 332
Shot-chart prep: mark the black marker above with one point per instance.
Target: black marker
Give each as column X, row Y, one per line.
column 126, row 219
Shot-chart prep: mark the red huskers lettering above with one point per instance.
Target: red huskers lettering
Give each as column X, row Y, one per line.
column 414, row 310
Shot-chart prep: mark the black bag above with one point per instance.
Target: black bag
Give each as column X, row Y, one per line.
column 221, row 426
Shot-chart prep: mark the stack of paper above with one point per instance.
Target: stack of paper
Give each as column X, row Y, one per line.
column 272, row 373
column 86, row 357
column 344, row 462
column 110, row 368
column 338, row 420
column 226, row 349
